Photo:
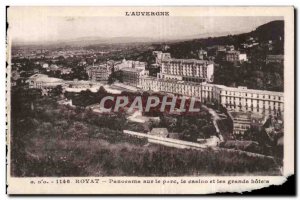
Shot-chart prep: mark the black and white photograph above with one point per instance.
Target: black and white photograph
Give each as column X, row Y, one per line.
column 149, row 93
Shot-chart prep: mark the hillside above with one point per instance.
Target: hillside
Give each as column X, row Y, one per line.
column 271, row 31
column 57, row 141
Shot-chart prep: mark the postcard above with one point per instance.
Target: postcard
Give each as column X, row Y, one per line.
column 149, row 100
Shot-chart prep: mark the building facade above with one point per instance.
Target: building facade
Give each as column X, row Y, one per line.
column 130, row 64
column 187, row 70
column 233, row 99
column 243, row 121
column 235, row 56
column 43, row 82
column 131, row 76
column 160, row 56
column 99, row 73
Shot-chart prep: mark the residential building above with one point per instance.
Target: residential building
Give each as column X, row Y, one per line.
column 235, row 56
column 99, row 73
column 216, row 50
column 160, row 56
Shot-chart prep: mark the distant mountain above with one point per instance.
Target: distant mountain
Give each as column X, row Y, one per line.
column 86, row 41
column 271, row 30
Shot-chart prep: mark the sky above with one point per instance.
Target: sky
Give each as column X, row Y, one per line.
column 23, row 27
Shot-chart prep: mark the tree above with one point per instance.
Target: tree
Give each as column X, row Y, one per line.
column 57, row 90
column 79, row 73
column 208, row 131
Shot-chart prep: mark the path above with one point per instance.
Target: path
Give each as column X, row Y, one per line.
column 215, row 118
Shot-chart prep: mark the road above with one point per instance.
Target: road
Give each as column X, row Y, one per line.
column 215, row 118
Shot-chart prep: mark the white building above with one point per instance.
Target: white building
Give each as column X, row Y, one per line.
column 99, row 72
column 235, row 56
column 243, row 57
column 187, row 69
column 45, row 65
column 234, row 99
column 131, row 75
column 160, row 56
column 130, row 64
column 42, row 81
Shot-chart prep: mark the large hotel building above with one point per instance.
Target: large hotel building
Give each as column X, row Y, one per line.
column 235, row 99
column 187, row 70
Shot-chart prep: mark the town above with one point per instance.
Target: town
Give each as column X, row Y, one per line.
column 236, row 81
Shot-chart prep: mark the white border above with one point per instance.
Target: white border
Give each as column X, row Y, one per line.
column 103, row 3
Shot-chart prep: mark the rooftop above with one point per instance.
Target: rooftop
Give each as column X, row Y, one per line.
column 188, row 61
column 128, row 69
column 44, row 78
column 171, row 81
